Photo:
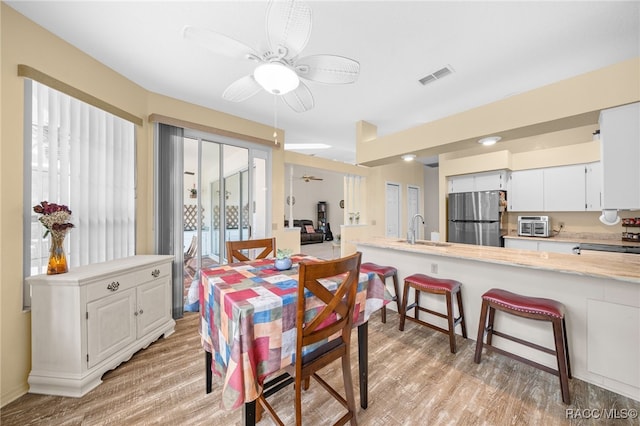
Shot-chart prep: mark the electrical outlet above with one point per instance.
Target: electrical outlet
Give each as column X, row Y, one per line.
column 434, row 268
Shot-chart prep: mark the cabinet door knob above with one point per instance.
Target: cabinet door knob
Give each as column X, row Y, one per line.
column 141, row 312
column 155, row 273
column 113, row 286
column 135, row 313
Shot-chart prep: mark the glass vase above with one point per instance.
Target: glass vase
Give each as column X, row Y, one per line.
column 57, row 258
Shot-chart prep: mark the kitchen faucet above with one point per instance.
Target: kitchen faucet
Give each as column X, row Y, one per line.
column 411, row 235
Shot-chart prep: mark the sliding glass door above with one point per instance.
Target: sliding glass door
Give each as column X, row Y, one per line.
column 230, row 183
column 219, row 191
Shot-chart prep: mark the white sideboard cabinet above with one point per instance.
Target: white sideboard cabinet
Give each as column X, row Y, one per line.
column 91, row 319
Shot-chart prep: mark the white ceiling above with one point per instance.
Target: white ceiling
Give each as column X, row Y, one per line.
column 497, row 49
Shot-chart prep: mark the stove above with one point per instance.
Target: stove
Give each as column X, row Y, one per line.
column 609, row 247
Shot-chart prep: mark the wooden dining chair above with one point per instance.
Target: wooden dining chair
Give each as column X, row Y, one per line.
column 333, row 316
column 234, row 249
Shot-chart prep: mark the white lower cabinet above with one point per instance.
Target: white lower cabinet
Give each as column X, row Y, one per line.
column 539, row 245
column 89, row 320
column 520, row 244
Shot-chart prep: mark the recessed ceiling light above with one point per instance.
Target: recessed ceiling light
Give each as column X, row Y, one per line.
column 489, row 140
column 408, row 157
column 301, row 146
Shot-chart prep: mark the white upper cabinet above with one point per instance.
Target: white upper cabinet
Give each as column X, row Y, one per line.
column 593, row 191
column 461, row 183
column 564, row 188
column 487, row 181
column 526, row 191
column 620, row 156
column 572, row 188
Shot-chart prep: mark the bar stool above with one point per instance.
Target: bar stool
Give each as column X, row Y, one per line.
column 384, row 272
column 421, row 282
column 528, row 307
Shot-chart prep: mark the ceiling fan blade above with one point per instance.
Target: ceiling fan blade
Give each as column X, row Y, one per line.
column 219, row 43
column 242, row 89
column 329, row 69
column 300, row 99
column 288, row 27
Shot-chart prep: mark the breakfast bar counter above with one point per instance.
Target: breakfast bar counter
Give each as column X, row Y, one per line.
column 618, row 266
column 601, row 292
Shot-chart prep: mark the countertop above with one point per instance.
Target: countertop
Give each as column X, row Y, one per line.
column 618, row 266
column 580, row 238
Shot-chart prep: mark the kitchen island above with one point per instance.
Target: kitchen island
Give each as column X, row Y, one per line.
column 601, row 292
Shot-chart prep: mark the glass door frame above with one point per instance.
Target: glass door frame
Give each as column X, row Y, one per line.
column 255, row 152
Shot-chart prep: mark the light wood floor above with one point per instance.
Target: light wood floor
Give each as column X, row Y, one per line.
column 413, row 380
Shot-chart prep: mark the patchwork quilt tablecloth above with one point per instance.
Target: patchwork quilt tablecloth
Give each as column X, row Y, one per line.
column 248, row 314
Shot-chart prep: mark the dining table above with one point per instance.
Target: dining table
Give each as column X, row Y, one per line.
column 248, row 330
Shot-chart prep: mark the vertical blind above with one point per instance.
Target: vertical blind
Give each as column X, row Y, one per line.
column 83, row 157
column 168, row 211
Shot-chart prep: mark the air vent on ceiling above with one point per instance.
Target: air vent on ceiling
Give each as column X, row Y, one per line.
column 443, row 72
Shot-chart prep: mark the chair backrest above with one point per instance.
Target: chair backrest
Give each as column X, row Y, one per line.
column 234, row 249
column 335, row 312
column 193, row 248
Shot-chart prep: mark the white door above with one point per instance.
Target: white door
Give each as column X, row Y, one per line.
column 393, row 210
column 413, row 207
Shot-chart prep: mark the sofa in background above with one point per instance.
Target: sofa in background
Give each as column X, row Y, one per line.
column 305, row 226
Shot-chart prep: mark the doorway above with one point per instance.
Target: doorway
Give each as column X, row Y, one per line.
column 392, row 210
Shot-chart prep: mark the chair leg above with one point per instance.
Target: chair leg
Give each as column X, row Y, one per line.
column 383, row 311
column 566, row 347
column 403, row 309
column 461, row 312
column 492, row 316
column 416, row 313
column 481, row 330
column 561, row 357
column 298, row 402
column 348, row 387
column 396, row 289
column 451, row 322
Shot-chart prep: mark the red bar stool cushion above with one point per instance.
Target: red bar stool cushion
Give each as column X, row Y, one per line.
column 430, row 283
column 532, row 305
column 385, row 271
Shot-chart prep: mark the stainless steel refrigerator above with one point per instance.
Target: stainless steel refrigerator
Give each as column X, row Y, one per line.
column 475, row 218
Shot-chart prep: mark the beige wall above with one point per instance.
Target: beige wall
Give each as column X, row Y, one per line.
column 23, row 42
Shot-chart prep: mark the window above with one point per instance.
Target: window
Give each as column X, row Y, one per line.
column 83, row 157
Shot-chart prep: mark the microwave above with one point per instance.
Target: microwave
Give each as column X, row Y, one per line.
column 534, row 226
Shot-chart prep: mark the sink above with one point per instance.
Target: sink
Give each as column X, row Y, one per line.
column 432, row 243
column 428, row 243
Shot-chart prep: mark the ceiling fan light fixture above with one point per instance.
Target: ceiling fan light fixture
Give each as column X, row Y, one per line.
column 276, row 78
column 490, row 140
column 408, row 157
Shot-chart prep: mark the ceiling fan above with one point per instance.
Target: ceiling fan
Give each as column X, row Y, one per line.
column 308, row 178
column 279, row 68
